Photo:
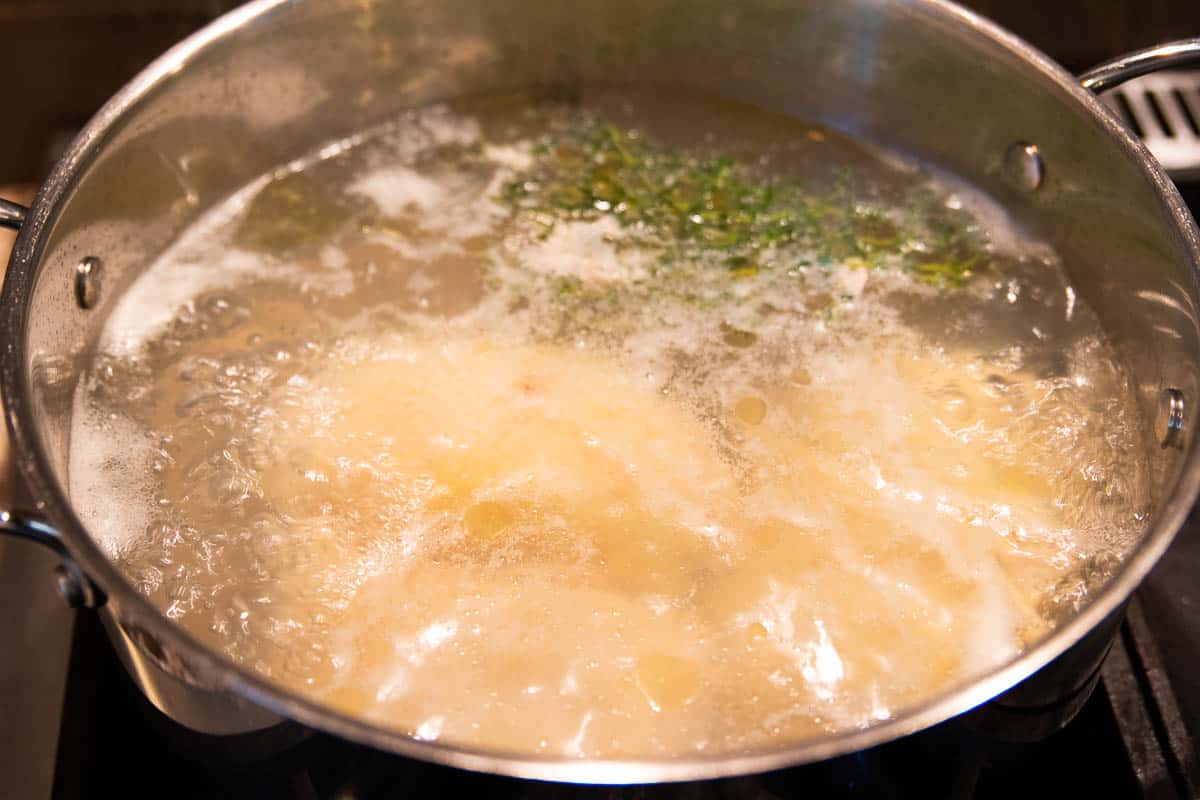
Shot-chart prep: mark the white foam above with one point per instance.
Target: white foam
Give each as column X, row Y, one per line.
column 106, row 476
column 586, row 250
column 514, row 157
column 851, row 281
column 445, row 126
column 399, row 189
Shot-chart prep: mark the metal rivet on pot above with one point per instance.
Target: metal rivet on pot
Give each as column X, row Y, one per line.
column 69, row 587
column 87, row 282
column 1024, row 166
column 1169, row 424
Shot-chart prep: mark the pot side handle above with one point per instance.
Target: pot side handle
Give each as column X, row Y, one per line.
column 1113, row 73
column 76, row 588
column 12, row 215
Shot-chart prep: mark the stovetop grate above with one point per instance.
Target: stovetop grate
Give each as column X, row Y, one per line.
column 1164, row 110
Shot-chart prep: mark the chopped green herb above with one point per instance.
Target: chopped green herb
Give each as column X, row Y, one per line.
column 685, row 206
column 742, row 266
column 953, row 274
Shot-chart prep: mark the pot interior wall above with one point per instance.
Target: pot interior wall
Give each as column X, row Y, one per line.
column 906, row 74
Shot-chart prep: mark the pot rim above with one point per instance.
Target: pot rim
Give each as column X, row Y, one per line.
column 222, row 674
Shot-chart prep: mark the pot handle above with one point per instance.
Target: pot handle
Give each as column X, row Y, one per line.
column 1113, row 73
column 76, row 588
column 12, row 215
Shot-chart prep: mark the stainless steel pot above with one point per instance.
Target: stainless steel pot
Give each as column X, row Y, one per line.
column 275, row 78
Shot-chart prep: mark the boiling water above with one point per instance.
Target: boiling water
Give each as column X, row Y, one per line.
column 398, row 429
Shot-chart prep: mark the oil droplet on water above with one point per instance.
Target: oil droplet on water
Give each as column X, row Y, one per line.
column 751, row 410
column 668, row 681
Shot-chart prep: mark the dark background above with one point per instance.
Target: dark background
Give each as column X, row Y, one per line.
column 62, row 58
